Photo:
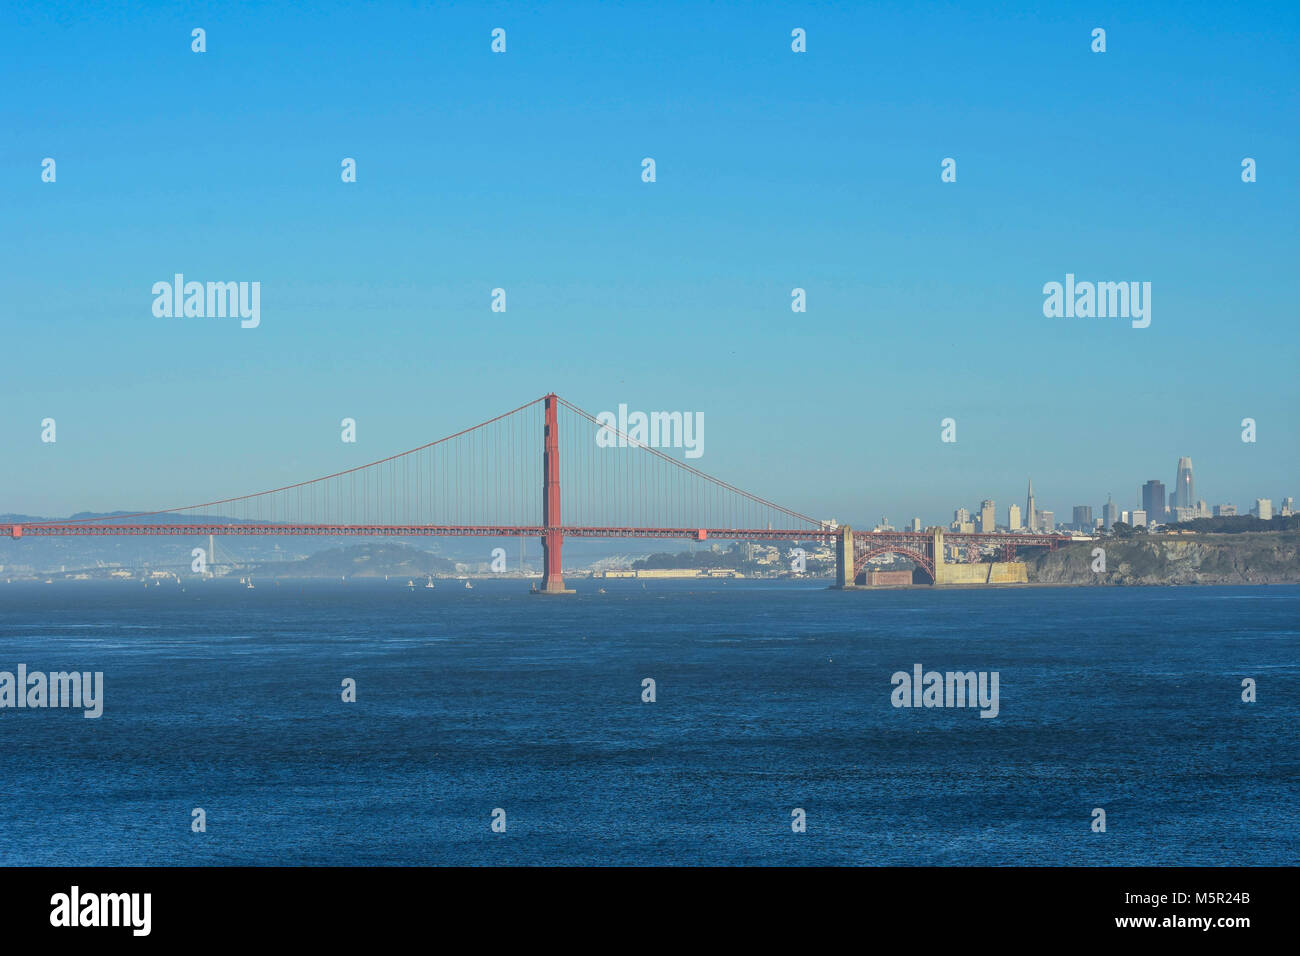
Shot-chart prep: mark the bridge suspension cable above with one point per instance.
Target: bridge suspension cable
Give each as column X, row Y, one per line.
column 487, row 480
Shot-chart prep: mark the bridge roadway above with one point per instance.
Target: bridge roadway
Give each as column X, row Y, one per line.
column 871, row 538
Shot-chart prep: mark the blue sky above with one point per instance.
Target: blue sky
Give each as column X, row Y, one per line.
column 774, row 170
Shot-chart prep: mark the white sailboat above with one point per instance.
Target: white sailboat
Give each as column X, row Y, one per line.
column 428, row 585
column 250, row 584
column 468, row 586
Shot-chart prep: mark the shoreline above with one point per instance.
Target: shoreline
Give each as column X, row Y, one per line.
column 825, row 582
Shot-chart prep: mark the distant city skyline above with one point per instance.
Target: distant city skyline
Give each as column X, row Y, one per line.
column 1149, row 500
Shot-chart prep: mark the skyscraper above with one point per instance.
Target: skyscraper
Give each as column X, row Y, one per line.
column 1153, row 501
column 1013, row 518
column 1109, row 514
column 988, row 516
column 961, row 521
column 1083, row 517
column 1184, row 495
column 1030, row 514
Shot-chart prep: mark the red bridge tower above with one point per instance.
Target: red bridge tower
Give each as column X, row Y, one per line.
column 552, row 537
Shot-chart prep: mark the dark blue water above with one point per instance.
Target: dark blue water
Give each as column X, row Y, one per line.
column 770, row 697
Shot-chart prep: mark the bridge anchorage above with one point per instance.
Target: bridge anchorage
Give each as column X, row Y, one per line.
column 482, row 482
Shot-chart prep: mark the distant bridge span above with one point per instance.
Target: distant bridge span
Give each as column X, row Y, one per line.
column 484, row 479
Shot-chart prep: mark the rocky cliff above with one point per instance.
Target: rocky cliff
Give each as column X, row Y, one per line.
column 1264, row 558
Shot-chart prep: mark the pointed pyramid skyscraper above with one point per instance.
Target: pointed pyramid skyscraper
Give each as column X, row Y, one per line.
column 1031, row 516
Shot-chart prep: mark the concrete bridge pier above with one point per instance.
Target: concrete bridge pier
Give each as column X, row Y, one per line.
column 936, row 554
column 844, row 559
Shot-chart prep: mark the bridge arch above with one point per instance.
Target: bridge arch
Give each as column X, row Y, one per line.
column 922, row 561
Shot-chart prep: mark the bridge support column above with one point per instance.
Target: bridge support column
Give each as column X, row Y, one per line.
column 936, row 546
column 552, row 540
column 844, row 559
column 552, row 577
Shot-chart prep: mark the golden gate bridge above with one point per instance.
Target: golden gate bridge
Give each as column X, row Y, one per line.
column 483, row 482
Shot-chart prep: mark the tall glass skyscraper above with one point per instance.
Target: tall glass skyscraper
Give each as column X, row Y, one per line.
column 1153, row 501
column 1184, row 493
